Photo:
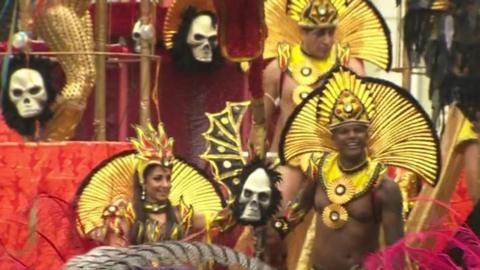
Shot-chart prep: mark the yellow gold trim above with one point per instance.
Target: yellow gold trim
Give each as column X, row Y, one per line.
column 223, row 33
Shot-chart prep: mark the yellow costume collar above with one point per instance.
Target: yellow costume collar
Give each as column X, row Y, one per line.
column 307, row 70
column 304, row 69
column 341, row 188
column 361, row 181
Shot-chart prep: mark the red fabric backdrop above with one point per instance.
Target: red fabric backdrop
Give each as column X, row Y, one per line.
column 29, row 172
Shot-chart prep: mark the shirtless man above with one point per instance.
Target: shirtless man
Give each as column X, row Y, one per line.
column 308, row 64
column 346, row 247
column 317, row 44
column 334, row 138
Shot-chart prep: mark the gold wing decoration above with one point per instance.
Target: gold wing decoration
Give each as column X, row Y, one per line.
column 173, row 18
column 361, row 30
column 66, row 26
column 113, row 180
column 224, row 146
column 400, row 132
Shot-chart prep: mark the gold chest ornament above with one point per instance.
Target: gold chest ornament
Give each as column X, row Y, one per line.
column 341, row 187
column 305, row 70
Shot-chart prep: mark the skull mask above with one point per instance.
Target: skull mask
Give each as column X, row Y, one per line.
column 256, row 196
column 27, row 92
column 202, row 38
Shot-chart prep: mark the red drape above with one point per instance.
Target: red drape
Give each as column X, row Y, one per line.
column 30, row 171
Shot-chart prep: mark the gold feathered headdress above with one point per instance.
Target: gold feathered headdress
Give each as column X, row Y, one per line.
column 349, row 101
column 113, row 180
column 400, row 132
column 153, row 147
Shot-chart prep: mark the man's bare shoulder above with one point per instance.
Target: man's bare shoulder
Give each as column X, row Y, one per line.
column 272, row 69
column 389, row 190
column 356, row 65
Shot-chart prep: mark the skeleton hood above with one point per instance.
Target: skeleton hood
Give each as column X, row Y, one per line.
column 248, row 188
column 32, row 73
column 195, row 46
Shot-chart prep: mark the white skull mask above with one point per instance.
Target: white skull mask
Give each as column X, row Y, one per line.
column 256, row 195
column 27, row 92
column 202, row 38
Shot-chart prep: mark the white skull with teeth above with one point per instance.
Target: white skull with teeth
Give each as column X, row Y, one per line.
column 256, row 195
column 27, row 92
column 202, row 38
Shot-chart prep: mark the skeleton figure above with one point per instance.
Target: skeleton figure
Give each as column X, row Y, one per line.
column 202, row 38
column 258, row 198
column 27, row 94
column 195, row 46
column 256, row 194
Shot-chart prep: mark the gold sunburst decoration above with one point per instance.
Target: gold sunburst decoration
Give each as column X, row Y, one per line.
column 361, row 30
column 113, row 179
column 341, row 191
column 334, row 216
column 400, row 132
column 173, row 18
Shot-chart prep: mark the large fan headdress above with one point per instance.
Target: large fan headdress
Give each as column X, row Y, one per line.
column 400, row 132
column 113, row 179
column 361, row 31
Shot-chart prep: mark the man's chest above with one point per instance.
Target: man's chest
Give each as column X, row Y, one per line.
column 362, row 209
column 292, row 92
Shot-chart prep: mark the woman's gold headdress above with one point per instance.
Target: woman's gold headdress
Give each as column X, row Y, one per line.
column 153, row 147
column 114, row 178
